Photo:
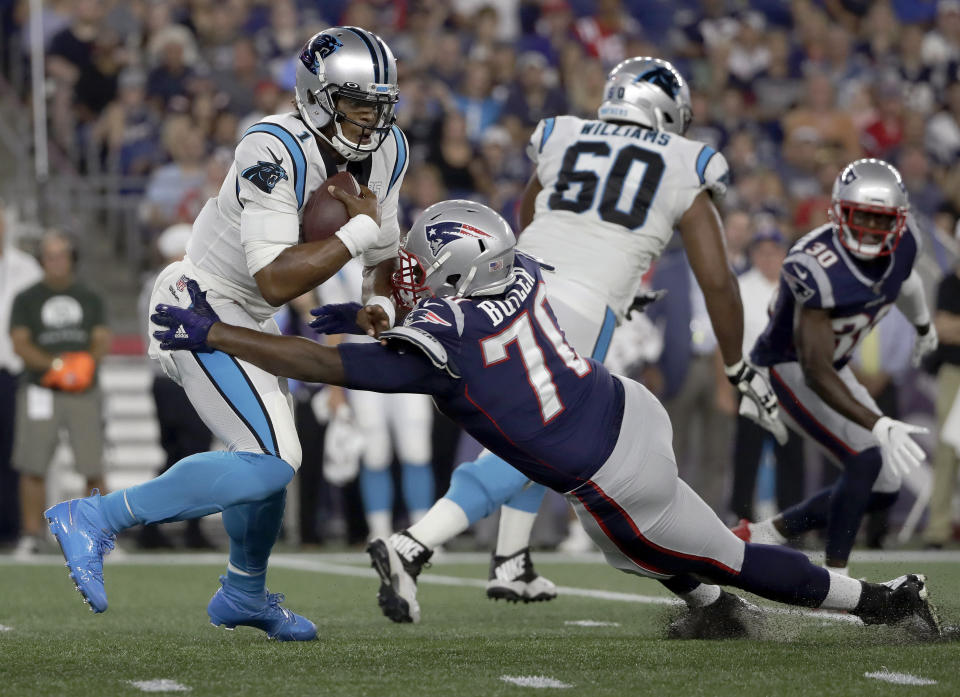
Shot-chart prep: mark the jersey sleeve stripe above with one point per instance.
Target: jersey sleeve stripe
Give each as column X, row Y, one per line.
column 606, row 334
column 703, row 159
column 548, row 125
column 401, row 156
column 373, row 52
column 296, row 154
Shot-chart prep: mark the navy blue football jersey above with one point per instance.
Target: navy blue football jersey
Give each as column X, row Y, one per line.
column 820, row 273
column 501, row 368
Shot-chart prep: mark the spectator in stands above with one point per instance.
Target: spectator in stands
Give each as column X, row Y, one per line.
column 59, row 330
column 943, row 130
column 182, row 432
column 818, row 112
column 768, row 248
column 170, row 184
column 946, row 460
column 18, row 271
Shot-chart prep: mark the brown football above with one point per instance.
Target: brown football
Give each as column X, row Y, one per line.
column 324, row 215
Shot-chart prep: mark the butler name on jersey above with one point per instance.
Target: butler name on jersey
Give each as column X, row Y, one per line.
column 821, row 273
column 612, row 196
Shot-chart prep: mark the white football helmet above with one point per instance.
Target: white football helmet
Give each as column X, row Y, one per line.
column 869, row 208
column 648, row 92
column 455, row 248
column 355, row 64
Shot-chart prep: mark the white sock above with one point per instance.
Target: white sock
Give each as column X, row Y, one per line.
column 417, row 515
column 842, row 570
column 844, row 592
column 514, row 532
column 380, row 523
column 702, row 595
column 444, row 521
column 764, row 533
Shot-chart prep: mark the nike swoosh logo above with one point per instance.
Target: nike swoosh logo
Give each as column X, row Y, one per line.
column 800, row 273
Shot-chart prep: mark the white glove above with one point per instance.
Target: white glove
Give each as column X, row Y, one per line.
column 924, row 344
column 759, row 403
column 898, row 447
column 342, row 446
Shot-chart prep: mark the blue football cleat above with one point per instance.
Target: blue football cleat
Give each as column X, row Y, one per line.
column 231, row 609
column 81, row 532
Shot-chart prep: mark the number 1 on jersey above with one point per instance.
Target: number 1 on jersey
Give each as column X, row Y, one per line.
column 521, row 331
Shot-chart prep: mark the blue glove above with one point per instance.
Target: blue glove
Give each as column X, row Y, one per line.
column 339, row 318
column 186, row 328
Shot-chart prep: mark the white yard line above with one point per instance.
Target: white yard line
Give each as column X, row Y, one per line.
column 159, row 685
column 899, row 678
column 534, row 681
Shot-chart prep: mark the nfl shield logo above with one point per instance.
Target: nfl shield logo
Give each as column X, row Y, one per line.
column 182, row 283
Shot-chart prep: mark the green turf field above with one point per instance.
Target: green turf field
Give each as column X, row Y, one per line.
column 156, row 628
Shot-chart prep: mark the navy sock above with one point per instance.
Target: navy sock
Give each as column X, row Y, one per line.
column 196, row 486
column 782, row 574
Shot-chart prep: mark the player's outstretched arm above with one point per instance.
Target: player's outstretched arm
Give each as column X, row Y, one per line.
column 198, row 328
column 300, row 268
column 815, row 343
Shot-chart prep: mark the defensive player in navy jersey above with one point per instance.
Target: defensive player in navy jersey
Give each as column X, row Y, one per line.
column 482, row 339
column 836, row 284
column 604, row 201
column 245, row 251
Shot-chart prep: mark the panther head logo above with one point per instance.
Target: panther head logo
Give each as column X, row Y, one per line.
column 321, row 46
column 265, row 175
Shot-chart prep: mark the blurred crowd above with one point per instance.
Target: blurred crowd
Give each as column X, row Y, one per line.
column 159, row 91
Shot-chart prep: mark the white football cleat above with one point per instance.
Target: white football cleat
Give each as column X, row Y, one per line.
column 514, row 579
column 398, row 561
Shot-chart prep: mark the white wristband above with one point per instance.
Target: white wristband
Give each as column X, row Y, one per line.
column 386, row 304
column 359, row 233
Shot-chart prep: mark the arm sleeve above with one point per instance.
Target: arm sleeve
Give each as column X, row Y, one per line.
column 912, row 302
column 389, row 241
column 388, row 369
column 807, row 281
column 270, row 183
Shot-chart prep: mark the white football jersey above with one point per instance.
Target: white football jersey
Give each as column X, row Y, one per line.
column 277, row 165
column 612, row 196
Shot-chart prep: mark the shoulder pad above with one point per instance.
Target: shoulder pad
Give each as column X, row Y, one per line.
column 427, row 344
column 440, row 314
column 713, row 171
column 808, row 281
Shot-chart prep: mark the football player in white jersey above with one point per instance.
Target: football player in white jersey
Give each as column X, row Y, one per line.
column 601, row 206
column 246, row 255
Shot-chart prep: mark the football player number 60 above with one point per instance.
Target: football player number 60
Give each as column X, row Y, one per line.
column 535, row 363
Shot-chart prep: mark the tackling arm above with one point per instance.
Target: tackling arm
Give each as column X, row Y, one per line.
column 287, row 356
column 815, row 343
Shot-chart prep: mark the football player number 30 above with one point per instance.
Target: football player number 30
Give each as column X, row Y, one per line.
column 625, row 199
column 521, row 331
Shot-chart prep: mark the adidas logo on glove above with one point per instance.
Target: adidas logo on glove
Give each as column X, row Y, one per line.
column 181, row 333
